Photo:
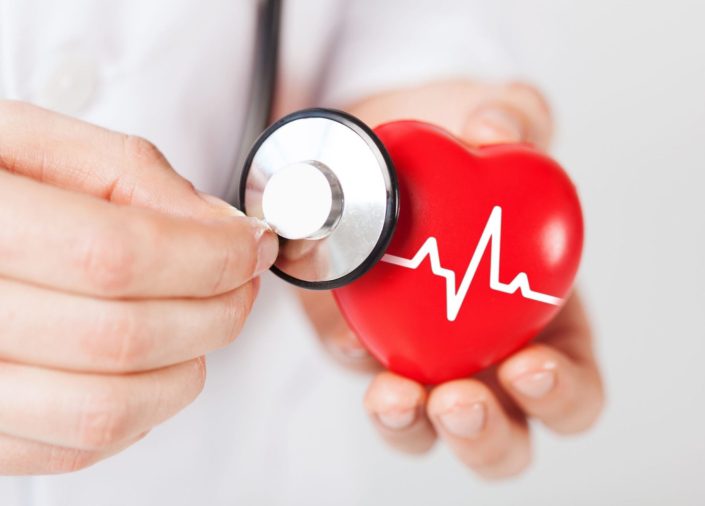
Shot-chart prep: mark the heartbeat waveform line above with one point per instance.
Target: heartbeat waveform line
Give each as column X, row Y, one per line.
column 491, row 235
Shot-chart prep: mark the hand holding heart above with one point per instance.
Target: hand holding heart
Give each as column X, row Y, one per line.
column 556, row 380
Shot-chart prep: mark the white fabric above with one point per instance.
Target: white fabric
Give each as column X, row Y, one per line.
column 277, row 423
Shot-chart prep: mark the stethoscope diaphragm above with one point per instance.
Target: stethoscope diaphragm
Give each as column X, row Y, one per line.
column 325, row 184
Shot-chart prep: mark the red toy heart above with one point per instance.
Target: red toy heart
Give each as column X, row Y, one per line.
column 446, row 301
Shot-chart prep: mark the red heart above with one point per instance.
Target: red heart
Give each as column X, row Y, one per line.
column 486, row 249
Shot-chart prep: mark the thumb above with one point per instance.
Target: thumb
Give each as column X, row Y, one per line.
column 334, row 334
column 510, row 113
column 75, row 155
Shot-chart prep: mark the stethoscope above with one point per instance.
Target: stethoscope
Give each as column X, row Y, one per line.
column 320, row 178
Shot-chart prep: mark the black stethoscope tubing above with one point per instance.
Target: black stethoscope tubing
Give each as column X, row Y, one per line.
column 255, row 131
column 262, row 89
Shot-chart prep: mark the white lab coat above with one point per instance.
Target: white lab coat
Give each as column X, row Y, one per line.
column 278, row 422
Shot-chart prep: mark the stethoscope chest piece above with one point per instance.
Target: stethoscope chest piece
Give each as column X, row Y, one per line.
column 325, row 184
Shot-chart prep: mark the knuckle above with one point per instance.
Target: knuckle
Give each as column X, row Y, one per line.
column 199, row 375
column 237, row 306
column 11, row 109
column 504, row 464
column 226, row 263
column 104, row 419
column 115, row 339
column 234, row 260
column 13, row 113
column 581, row 413
column 140, row 151
column 202, row 372
column 248, row 248
column 68, row 460
column 492, row 459
column 108, row 261
column 531, row 94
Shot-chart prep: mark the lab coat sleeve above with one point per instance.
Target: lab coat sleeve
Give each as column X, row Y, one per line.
column 388, row 44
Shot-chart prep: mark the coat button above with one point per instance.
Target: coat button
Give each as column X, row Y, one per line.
column 69, row 85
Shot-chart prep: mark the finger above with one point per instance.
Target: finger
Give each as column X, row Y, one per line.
column 334, row 333
column 53, row 237
column 102, row 335
column 512, row 113
column 73, row 154
column 396, row 407
column 471, row 420
column 24, row 457
column 92, row 412
column 557, row 380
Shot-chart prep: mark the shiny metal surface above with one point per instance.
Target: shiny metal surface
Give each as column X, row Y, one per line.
column 292, row 217
column 345, row 225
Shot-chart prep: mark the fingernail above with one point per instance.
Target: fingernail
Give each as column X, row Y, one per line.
column 220, row 205
column 267, row 246
column 535, row 384
column 397, row 419
column 465, row 420
column 493, row 125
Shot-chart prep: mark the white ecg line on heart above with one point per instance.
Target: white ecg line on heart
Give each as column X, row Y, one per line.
column 454, row 300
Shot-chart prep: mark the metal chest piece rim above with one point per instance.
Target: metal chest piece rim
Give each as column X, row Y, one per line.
column 326, row 185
